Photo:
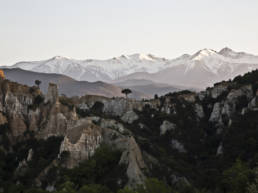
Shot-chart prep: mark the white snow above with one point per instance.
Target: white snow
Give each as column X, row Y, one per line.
column 118, row 67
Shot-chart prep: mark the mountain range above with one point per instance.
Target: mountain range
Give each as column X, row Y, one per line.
column 186, row 70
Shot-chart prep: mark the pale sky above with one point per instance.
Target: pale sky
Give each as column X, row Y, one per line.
column 100, row 29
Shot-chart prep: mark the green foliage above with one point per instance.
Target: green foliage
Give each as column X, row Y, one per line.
column 102, row 168
column 126, row 190
column 66, row 187
column 94, row 188
column 44, row 152
column 36, row 190
column 153, row 185
column 252, row 187
column 236, row 178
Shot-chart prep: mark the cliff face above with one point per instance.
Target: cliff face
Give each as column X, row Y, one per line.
column 165, row 137
column 26, row 110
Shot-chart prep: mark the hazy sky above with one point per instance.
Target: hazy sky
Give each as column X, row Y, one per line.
column 40, row 29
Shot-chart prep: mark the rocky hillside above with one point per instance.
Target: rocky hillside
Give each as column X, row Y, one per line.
column 190, row 142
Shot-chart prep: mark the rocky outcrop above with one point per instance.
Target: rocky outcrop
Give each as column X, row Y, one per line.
column 131, row 156
column 129, row 117
column 216, row 113
column 52, row 93
column 81, row 141
column 218, row 90
column 166, row 126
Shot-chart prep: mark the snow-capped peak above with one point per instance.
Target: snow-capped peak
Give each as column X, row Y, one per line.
column 225, row 61
column 59, row 58
column 203, row 54
column 142, row 56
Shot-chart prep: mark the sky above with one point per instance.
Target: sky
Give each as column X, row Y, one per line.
column 101, row 29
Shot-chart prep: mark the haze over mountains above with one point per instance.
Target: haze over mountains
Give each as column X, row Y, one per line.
column 202, row 69
column 69, row 86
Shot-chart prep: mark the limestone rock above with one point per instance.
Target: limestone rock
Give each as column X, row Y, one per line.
column 218, row 90
column 131, row 155
column 166, row 126
column 112, row 124
column 216, row 113
column 81, row 142
column 199, row 110
column 133, row 158
column 129, row 117
column 52, row 93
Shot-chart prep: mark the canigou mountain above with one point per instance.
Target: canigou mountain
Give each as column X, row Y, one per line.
column 187, row 70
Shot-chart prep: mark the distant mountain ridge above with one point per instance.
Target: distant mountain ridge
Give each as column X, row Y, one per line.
column 67, row 85
column 202, row 69
column 70, row 87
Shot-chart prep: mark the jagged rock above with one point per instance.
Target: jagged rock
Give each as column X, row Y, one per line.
column 178, row 146
column 81, row 142
column 218, row 90
column 202, row 95
column 166, row 126
column 129, row 117
column 17, row 125
column 243, row 91
column 199, row 110
column 52, row 94
column 112, row 124
column 216, row 113
column 131, row 155
column 191, row 97
column 56, row 125
column 253, row 105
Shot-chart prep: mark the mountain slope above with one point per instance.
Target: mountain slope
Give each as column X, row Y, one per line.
column 149, row 87
column 202, row 69
column 96, row 70
column 187, row 70
column 67, row 85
